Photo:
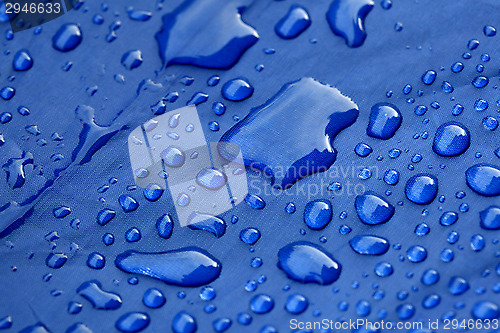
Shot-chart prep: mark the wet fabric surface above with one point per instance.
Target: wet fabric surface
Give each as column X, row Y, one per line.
column 77, row 157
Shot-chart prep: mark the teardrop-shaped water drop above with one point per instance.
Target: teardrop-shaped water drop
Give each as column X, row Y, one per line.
column 308, row 263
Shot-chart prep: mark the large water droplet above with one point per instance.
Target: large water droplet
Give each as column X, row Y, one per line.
column 484, row 179
column 266, row 133
column 187, row 267
column 451, row 139
column 385, row 120
column 222, row 41
column 308, row 263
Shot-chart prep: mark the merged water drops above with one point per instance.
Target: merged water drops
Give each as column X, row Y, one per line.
column 220, row 44
column 262, row 134
column 100, row 299
column 68, row 37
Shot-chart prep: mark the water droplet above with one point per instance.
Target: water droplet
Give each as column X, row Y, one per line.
column 173, row 157
column 105, row 215
column 458, row 285
column 429, row 77
column 480, row 82
column 56, row 260
column 489, row 31
column 183, row 322
column 212, row 224
column 490, row 218
column 132, row 322
column 369, row 245
column 391, row 177
column 490, row 123
column 373, row 209
column 477, row 243
column 451, row 139
column 67, row 37
column 250, row 235
column 296, row 303
column 22, row 60
column 96, row 260
column 128, row 203
column 237, row 89
column 485, row 310
column 164, row 225
column 385, row 120
column 384, row 269
column 261, row 303
column 308, row 263
column 416, row 253
column 187, row 267
column 294, row 23
column 133, row 235
column 484, row 179
column 430, row 277
column 220, row 44
column 255, row 201
column 448, row 218
column 153, row 298
column 132, row 59
column 317, row 214
column 346, row 19
column 421, row 189
column 363, row 149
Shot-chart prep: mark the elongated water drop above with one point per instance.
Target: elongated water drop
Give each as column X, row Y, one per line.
column 187, row 267
column 308, row 263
